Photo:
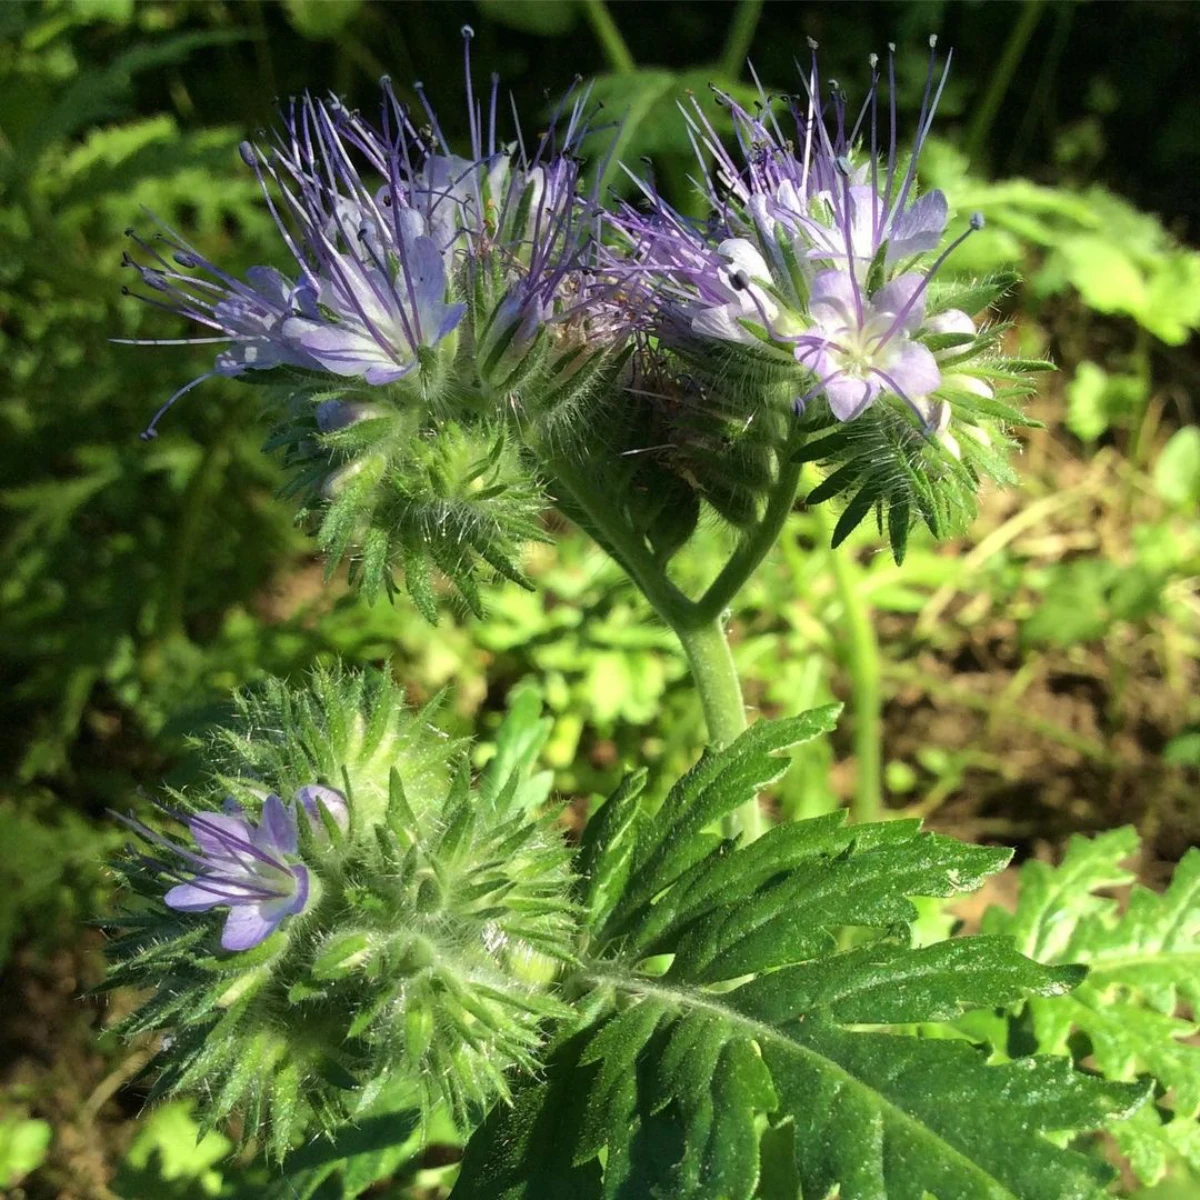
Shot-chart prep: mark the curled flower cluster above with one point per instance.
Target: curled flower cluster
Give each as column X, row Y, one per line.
column 399, row 245
column 401, row 929
column 455, row 331
column 810, row 251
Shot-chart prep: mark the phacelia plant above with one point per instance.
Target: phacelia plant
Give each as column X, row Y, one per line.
column 682, row 1004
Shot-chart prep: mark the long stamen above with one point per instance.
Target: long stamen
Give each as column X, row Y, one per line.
column 976, row 224
column 151, row 431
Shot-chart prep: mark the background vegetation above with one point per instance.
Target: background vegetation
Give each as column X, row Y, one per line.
column 1034, row 681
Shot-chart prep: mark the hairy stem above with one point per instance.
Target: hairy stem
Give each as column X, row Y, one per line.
column 594, row 512
column 702, row 637
column 708, row 654
column 746, row 558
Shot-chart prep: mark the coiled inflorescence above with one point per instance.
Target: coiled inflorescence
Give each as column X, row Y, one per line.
column 391, row 926
column 814, row 285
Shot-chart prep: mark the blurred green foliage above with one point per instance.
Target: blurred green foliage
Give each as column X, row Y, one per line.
column 140, row 583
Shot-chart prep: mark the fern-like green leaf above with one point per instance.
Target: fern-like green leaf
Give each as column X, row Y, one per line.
column 729, row 989
column 1143, row 964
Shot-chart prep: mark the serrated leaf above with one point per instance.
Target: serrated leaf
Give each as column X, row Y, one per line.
column 775, row 982
column 606, row 849
column 718, row 784
column 1142, row 964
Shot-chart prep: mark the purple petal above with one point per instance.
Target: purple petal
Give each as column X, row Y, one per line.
column 297, row 902
column 848, row 397
column 833, row 299
column 920, row 228
column 248, row 925
column 953, row 320
column 222, row 836
column 452, row 314
column 276, row 833
column 905, row 294
column 722, row 323
column 193, row 897
column 914, row 370
column 315, row 796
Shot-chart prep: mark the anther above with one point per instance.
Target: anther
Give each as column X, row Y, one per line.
column 873, row 61
column 148, row 435
column 739, row 280
column 246, row 150
column 813, row 44
column 842, row 165
column 977, row 222
column 467, row 32
column 933, row 41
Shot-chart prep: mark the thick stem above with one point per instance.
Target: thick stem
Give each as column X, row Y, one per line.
column 622, row 544
column 708, row 654
column 703, row 638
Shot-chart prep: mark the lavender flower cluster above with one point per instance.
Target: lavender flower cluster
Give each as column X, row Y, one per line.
column 399, row 246
column 813, row 253
column 408, row 257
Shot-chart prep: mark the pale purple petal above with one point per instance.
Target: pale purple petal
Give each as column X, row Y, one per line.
column 905, row 294
column 315, row 796
column 247, row 925
column 276, row 833
column 848, row 397
column 953, row 320
column 722, row 322
column 913, row 369
column 222, row 836
column 743, row 256
column 920, row 227
column 833, row 299
column 193, row 897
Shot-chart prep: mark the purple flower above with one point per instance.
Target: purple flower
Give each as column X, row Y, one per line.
column 247, row 868
column 371, row 287
column 859, row 346
column 252, row 869
column 512, row 214
column 788, row 204
column 799, row 180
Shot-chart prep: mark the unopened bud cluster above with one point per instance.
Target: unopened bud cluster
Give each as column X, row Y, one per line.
column 345, row 912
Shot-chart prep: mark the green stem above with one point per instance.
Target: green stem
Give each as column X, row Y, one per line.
column 741, row 34
column 708, row 654
column 863, row 660
column 622, row 544
column 609, row 37
column 745, row 559
column 703, row 639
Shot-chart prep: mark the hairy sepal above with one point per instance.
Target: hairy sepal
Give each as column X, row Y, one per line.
column 445, row 912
